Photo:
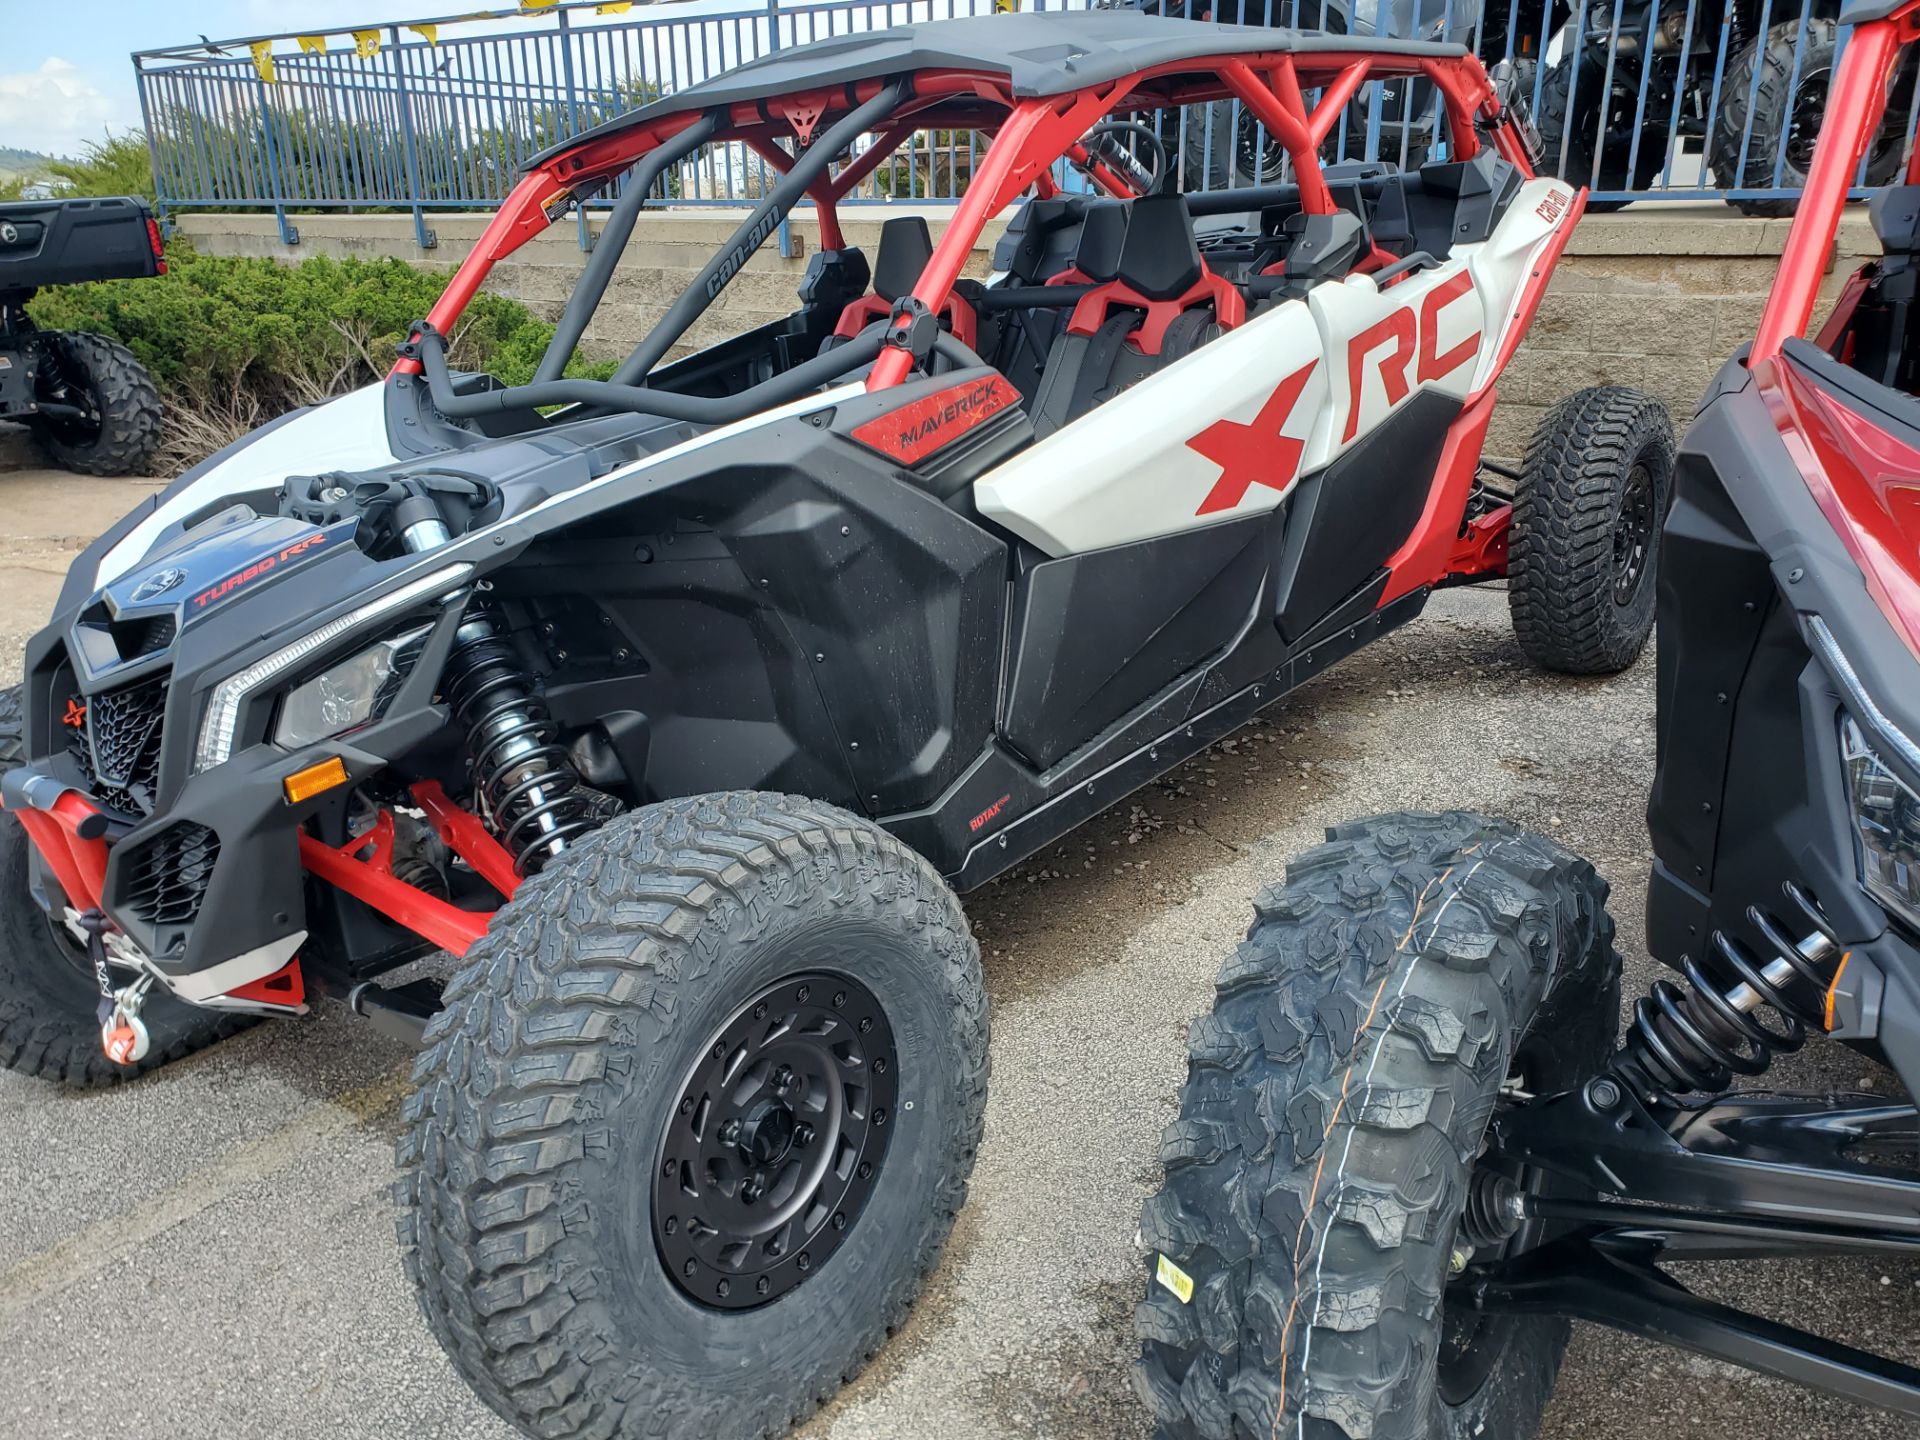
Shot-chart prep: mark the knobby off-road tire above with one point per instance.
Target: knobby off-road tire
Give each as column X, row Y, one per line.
column 120, row 389
column 1779, row 108
column 1335, row 1101
column 1585, row 542
column 1567, row 149
column 49, row 1020
column 548, row 1093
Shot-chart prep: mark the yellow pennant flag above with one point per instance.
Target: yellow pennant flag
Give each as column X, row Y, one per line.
column 530, row 5
column 430, row 32
column 1005, row 7
column 366, row 43
column 617, row 7
column 312, row 44
column 263, row 59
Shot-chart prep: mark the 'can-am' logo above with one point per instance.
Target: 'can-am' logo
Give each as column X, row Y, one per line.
column 157, row 584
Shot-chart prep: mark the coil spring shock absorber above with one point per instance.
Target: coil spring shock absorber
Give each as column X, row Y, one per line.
column 1699, row 1037
column 525, row 780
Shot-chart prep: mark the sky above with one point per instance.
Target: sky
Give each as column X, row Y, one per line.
column 65, row 75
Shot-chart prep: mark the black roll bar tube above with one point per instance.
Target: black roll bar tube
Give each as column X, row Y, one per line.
column 591, row 287
column 642, row 399
column 753, row 233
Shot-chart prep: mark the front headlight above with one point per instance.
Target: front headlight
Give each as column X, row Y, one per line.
column 1886, row 822
column 222, row 719
column 346, row 696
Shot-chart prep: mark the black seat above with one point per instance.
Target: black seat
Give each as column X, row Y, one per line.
column 1160, row 257
column 1895, row 214
column 1885, row 319
column 1153, row 251
column 905, row 249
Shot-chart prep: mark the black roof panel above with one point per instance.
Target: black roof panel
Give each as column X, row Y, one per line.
column 1041, row 53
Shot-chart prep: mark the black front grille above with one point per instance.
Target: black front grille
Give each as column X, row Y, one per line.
column 118, row 745
column 167, row 877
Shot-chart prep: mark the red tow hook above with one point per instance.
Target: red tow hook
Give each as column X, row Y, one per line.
column 68, row 832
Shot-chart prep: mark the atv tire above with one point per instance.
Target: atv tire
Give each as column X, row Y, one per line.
column 588, row 1036
column 103, row 375
column 1585, row 541
column 1335, row 1101
column 49, row 1003
column 1223, row 147
column 1567, row 150
column 1794, row 113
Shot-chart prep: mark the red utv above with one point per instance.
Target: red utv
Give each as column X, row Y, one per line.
column 1409, row 1146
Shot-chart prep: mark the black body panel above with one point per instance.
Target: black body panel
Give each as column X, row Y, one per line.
column 1750, row 792
column 1096, row 634
column 67, row 242
column 1351, row 516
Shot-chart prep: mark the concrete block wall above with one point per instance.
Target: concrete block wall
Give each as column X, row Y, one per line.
column 1655, row 297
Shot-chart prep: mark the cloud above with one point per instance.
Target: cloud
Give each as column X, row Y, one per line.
column 55, row 108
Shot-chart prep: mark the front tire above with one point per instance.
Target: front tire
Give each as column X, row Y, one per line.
column 1585, row 542
column 1335, row 1101
column 570, row 1132
column 102, row 377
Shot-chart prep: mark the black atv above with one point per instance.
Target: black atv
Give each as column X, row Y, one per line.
column 1623, row 87
column 87, row 399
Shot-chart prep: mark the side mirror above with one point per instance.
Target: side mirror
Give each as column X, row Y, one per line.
column 1512, row 92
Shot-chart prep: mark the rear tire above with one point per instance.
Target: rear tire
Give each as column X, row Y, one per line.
column 1585, row 543
column 104, row 376
column 575, row 1052
column 49, row 1015
column 1335, row 1101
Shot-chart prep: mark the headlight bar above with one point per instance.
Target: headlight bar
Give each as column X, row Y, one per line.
column 217, row 729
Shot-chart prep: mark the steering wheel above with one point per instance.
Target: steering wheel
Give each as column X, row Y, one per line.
column 1102, row 143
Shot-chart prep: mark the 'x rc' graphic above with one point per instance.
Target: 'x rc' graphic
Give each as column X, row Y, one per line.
column 1254, row 453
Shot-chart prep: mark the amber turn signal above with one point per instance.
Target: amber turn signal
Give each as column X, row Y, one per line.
column 315, row 780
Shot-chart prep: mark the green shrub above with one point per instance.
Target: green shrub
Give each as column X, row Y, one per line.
column 235, row 342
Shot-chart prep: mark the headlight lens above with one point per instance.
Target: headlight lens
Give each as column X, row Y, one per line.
column 217, row 729
column 350, row 694
column 1886, row 819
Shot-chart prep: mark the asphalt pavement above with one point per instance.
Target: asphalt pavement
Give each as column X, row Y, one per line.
column 209, row 1252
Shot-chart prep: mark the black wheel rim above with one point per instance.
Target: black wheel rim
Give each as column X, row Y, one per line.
column 776, row 1141
column 1263, row 159
column 1633, row 535
column 1803, row 127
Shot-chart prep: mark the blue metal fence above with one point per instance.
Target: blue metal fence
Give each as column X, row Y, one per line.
column 1640, row 99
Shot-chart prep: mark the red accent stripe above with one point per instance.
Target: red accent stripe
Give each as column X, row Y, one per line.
column 929, row 424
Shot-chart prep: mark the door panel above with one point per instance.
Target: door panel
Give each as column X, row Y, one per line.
column 1095, row 635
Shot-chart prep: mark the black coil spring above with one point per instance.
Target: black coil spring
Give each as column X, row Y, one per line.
column 1685, row 1040
column 527, row 780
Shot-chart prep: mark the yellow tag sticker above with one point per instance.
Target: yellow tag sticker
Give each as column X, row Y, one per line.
column 1175, row 1279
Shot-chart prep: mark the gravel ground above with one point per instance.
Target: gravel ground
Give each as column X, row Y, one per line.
column 209, row 1252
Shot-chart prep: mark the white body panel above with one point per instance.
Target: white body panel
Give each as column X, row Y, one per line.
column 349, row 433
column 1229, row 430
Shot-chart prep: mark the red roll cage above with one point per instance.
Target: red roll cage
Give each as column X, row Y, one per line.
column 1854, row 106
column 1028, row 134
